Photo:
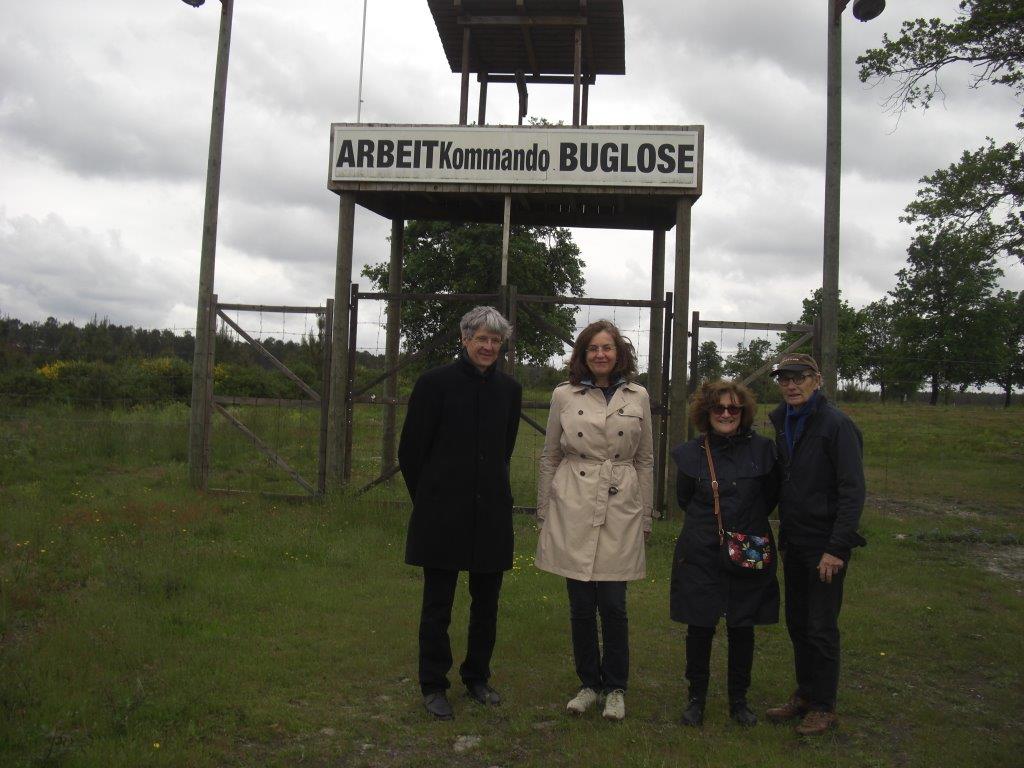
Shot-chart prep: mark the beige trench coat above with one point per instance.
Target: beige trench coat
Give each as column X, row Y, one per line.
column 595, row 488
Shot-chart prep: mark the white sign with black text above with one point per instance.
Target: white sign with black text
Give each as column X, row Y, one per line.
column 643, row 157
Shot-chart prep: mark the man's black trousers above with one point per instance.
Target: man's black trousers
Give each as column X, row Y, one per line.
column 435, row 646
column 812, row 618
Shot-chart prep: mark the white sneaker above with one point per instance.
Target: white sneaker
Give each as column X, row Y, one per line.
column 615, row 705
column 582, row 701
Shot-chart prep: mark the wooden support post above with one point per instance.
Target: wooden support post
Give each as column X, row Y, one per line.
column 586, row 102
column 387, row 452
column 694, row 348
column 481, row 115
column 677, row 419
column 325, row 399
column 208, row 412
column 576, row 65
column 199, row 416
column 506, row 226
column 464, row 99
column 353, row 326
column 511, row 300
column 654, row 346
column 339, row 340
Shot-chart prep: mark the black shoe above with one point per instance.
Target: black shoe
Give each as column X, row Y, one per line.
column 741, row 714
column 438, row 706
column 694, row 713
column 482, row 693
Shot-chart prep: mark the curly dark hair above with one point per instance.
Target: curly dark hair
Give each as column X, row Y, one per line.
column 710, row 393
column 625, row 355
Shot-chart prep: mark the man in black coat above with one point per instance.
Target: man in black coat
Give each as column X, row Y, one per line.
column 821, row 500
column 457, row 441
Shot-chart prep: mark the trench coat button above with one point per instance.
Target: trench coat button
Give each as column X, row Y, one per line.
column 620, row 433
column 583, row 455
column 579, row 434
column 616, row 455
column 620, row 410
column 581, row 413
column 582, row 472
column 612, row 491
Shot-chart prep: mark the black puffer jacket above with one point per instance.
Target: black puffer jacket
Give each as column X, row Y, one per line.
column 702, row 590
column 822, row 494
column 456, row 445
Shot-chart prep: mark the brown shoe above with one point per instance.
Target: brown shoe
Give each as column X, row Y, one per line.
column 816, row 723
column 796, row 707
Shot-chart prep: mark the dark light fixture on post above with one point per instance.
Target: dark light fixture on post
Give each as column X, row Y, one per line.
column 866, row 10
column 863, row 10
column 199, row 417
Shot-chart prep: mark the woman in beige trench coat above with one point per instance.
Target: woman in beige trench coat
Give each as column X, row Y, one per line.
column 594, row 497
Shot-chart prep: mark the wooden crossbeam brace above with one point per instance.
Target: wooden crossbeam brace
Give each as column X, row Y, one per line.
column 775, row 358
column 313, row 394
column 265, row 449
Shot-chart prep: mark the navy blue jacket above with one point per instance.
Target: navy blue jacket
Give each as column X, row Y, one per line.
column 702, row 590
column 823, row 491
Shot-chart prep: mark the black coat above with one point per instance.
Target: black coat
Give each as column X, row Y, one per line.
column 702, row 589
column 822, row 492
column 457, row 441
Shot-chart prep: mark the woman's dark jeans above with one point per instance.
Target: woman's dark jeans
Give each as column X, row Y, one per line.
column 610, row 671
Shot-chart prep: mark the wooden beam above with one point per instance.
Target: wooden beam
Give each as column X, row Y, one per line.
column 776, row 358
column 481, row 114
column 506, row 226
column 576, row 56
column 524, row 96
column 464, row 97
column 539, row 79
column 740, row 326
column 313, row 394
column 265, row 449
column 522, row 21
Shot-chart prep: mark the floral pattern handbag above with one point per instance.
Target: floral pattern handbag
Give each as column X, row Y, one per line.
column 741, row 552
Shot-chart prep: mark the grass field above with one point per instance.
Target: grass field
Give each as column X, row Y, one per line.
column 144, row 624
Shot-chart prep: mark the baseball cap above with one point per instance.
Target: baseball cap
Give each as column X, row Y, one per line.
column 797, row 361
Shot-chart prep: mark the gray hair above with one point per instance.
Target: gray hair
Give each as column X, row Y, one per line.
column 487, row 318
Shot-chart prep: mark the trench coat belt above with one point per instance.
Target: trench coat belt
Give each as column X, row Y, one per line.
column 604, row 484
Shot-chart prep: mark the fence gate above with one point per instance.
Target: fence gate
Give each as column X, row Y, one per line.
column 313, row 399
column 809, row 332
column 511, row 302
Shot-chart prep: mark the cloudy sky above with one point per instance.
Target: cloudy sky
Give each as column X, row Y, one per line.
column 104, row 127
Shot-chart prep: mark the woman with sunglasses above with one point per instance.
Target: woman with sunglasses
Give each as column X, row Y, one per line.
column 704, row 588
column 595, row 490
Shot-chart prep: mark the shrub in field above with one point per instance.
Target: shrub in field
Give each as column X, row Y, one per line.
column 158, row 380
column 24, row 386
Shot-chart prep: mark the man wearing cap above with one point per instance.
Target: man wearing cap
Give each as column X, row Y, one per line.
column 820, row 505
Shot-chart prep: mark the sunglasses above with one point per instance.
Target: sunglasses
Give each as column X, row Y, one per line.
column 732, row 410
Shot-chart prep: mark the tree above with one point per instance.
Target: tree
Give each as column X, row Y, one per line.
column 888, row 361
column 748, row 359
column 850, row 364
column 442, row 257
column 939, row 299
column 980, row 196
column 1007, row 312
column 709, row 362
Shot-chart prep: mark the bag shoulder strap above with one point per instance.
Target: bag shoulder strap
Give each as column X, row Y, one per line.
column 714, row 490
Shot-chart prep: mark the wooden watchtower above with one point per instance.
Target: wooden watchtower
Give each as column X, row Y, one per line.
column 527, row 42
column 616, row 177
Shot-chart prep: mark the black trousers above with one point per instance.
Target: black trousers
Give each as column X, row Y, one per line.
column 435, row 616
column 698, row 661
column 609, row 671
column 812, row 618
